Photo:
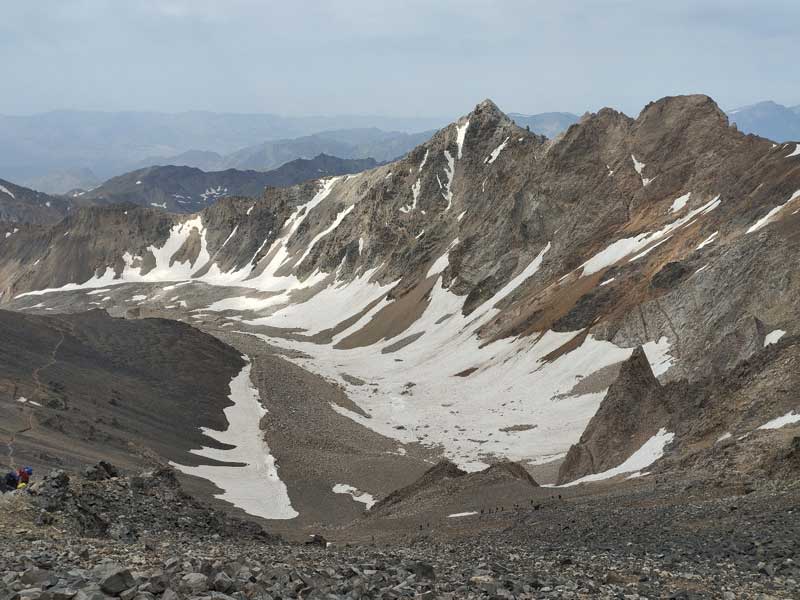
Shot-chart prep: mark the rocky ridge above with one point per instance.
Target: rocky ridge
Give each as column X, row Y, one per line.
column 182, row 189
column 487, row 243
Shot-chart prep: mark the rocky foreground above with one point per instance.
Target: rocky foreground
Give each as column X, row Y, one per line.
column 102, row 535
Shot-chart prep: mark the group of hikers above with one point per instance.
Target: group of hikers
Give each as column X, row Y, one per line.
column 16, row 480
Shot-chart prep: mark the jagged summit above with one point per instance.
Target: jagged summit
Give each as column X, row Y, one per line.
column 485, row 255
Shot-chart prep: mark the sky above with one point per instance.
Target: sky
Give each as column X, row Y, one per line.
column 434, row 58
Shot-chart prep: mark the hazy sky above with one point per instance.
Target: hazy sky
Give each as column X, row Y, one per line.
column 403, row 57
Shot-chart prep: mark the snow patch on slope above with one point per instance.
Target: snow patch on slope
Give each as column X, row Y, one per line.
column 449, row 170
column 650, row 452
column 461, row 133
column 679, row 203
column 618, row 250
column 770, row 216
column 357, row 495
column 336, row 222
column 787, row 419
column 496, row 152
column 773, row 336
column 639, row 167
column 255, row 487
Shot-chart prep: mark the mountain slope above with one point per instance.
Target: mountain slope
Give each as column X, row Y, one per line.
column 479, row 296
column 768, row 119
column 22, row 205
column 186, row 189
column 81, row 388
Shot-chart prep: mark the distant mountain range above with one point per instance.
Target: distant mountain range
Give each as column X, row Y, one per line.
column 185, row 189
column 550, row 124
column 43, row 150
column 175, row 189
column 344, row 143
column 768, row 119
column 59, row 151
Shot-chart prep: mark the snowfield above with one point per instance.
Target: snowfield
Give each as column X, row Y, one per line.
column 437, row 383
column 250, row 481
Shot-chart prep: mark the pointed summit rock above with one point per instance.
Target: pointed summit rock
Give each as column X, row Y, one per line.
column 629, row 415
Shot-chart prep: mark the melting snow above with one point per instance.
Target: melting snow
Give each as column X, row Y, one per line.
column 441, row 263
column 336, row 222
column 627, row 246
column 796, row 151
column 249, row 210
column 415, row 192
column 446, row 344
column 650, row 452
column 461, row 133
column 138, row 183
column 708, row 240
column 723, row 437
column 462, row 514
column 424, row 159
column 228, row 239
column 165, row 268
column 496, row 152
column 679, row 203
column 157, row 205
column 449, row 171
column 5, row 190
column 639, row 166
column 770, row 216
column 355, row 494
column 779, row 422
column 254, row 487
column 773, row 336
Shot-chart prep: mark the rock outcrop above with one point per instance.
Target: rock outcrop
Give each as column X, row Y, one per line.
column 631, row 412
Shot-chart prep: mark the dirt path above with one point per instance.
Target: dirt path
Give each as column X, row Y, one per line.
column 29, row 413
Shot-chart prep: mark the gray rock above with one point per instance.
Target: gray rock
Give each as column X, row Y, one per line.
column 114, row 579
column 194, row 582
column 39, row 577
column 222, row 582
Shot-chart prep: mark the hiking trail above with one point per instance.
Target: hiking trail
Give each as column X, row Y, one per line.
column 39, row 395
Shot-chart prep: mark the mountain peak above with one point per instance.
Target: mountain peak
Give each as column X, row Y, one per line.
column 487, row 110
column 695, row 107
